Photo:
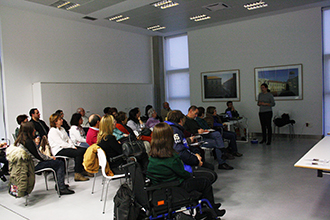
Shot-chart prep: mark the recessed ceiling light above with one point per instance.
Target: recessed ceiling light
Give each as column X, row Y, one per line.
column 118, row 18
column 155, row 28
column 200, row 18
column 65, row 5
column 165, row 4
column 256, row 5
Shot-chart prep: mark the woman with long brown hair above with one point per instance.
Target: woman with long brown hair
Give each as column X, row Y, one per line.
column 25, row 138
column 166, row 165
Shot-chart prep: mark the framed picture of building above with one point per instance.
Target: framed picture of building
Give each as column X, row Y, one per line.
column 284, row 82
column 220, row 86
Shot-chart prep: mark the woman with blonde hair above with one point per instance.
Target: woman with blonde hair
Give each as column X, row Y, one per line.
column 107, row 141
column 61, row 145
column 165, row 165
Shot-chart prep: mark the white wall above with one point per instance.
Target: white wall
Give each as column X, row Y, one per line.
column 289, row 38
column 39, row 48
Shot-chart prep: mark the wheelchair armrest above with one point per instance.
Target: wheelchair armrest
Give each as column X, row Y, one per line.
column 163, row 185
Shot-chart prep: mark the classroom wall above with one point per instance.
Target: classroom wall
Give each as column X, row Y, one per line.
column 283, row 39
column 40, row 48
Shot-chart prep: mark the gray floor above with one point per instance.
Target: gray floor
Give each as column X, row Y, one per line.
column 263, row 185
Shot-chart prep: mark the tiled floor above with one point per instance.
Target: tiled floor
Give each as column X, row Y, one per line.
column 263, row 185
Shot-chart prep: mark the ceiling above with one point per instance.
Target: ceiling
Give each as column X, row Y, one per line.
column 143, row 14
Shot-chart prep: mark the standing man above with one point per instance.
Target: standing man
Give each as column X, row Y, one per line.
column 166, row 109
column 39, row 124
column 85, row 123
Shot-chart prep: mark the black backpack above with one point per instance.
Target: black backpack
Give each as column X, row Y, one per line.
column 125, row 207
column 284, row 120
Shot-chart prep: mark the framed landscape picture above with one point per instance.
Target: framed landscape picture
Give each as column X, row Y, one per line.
column 220, row 86
column 284, row 82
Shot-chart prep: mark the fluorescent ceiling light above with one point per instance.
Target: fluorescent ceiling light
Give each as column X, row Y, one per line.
column 65, row 5
column 165, row 4
column 200, row 18
column 155, row 28
column 256, row 5
column 118, row 18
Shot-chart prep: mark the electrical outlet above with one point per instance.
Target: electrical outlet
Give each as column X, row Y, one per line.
column 307, row 124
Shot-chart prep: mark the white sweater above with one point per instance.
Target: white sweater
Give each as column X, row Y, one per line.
column 59, row 139
column 76, row 135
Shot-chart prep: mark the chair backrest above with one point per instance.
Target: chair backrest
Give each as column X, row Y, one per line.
column 102, row 160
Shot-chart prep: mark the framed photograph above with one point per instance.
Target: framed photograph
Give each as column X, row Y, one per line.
column 284, row 82
column 220, row 86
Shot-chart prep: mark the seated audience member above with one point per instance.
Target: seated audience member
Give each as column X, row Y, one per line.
column 138, row 127
column 65, row 125
column 165, row 165
column 165, row 110
column 145, row 117
column 20, row 119
column 113, row 111
column 121, row 125
column 85, row 123
column 40, row 126
column 5, row 168
column 77, row 133
column 62, row 145
column 234, row 114
column 94, row 121
column 109, row 144
column 192, row 159
column 214, row 139
column 231, row 136
column 106, row 111
column 152, row 120
column 41, row 161
column 232, row 110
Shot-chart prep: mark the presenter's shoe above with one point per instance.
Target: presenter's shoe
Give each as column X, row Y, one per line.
column 225, row 166
column 79, row 177
column 236, row 154
column 262, row 141
column 268, row 143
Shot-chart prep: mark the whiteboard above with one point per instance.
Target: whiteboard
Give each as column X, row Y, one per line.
column 93, row 97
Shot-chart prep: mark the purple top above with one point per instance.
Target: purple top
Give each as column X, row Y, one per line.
column 152, row 122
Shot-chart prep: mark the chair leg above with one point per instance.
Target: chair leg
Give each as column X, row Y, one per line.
column 26, row 199
column 105, row 198
column 93, row 183
column 46, row 182
column 102, row 187
column 57, row 186
column 66, row 161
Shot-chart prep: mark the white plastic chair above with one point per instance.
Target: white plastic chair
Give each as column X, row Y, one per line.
column 102, row 163
column 45, row 172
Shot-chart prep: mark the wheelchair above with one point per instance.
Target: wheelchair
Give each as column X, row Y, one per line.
column 166, row 200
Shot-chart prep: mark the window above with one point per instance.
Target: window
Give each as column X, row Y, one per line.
column 326, row 71
column 177, row 87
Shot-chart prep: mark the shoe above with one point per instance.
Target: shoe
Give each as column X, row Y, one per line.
column 268, row 143
column 243, row 139
column 225, row 166
column 220, row 212
column 217, row 205
column 262, row 141
column 79, row 177
column 66, row 186
column 85, row 173
column 236, row 154
column 66, row 191
column 227, row 156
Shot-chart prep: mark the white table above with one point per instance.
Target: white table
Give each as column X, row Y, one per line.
column 230, row 124
column 318, row 157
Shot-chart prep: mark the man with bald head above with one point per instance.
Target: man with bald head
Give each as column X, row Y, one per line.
column 166, row 109
column 94, row 121
column 85, row 123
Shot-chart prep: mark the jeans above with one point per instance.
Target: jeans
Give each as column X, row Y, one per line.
column 266, row 124
column 231, row 136
column 215, row 141
column 56, row 165
column 77, row 154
